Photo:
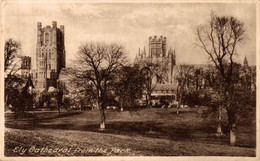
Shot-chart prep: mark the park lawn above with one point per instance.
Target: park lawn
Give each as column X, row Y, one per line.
column 157, row 132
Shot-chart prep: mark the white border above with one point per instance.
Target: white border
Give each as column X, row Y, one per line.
column 213, row 158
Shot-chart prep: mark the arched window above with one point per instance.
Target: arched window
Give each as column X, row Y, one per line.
column 41, row 63
column 47, row 38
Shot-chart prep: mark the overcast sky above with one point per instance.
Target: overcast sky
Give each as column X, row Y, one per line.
column 128, row 24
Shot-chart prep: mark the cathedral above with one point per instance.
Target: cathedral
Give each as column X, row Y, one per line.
column 166, row 87
column 50, row 55
column 157, row 53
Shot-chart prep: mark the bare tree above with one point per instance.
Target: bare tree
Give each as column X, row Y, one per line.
column 128, row 86
column 152, row 70
column 219, row 39
column 97, row 63
column 183, row 76
column 11, row 56
column 13, row 82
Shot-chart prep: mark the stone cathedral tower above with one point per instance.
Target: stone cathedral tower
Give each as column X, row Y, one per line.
column 157, row 47
column 157, row 53
column 50, row 55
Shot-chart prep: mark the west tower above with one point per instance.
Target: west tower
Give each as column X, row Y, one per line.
column 50, row 55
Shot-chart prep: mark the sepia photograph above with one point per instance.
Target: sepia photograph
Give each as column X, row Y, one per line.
column 84, row 79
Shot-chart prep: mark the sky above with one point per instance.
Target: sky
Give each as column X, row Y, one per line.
column 129, row 24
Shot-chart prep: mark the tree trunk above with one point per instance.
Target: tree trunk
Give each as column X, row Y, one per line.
column 59, row 110
column 92, row 107
column 149, row 100
column 149, row 103
column 233, row 134
column 121, row 104
column 180, row 100
column 146, row 100
column 103, row 118
column 6, row 105
column 219, row 128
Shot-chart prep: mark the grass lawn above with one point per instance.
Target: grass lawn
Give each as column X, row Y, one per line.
column 152, row 132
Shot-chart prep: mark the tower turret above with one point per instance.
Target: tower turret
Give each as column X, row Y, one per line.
column 164, row 47
column 245, row 62
column 39, row 33
column 63, row 34
column 144, row 52
column 54, row 24
column 174, row 57
column 54, row 34
column 39, row 25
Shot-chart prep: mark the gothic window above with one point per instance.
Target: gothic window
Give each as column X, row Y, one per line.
column 49, row 66
column 49, row 55
column 41, row 63
column 36, row 75
column 47, row 38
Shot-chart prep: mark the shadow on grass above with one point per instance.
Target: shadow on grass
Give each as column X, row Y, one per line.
column 203, row 132
column 148, row 129
column 35, row 117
